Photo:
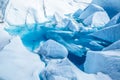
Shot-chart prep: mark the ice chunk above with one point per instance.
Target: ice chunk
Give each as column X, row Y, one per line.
column 77, row 13
column 96, row 45
column 111, row 6
column 17, row 63
column 60, row 20
column 4, row 38
column 73, row 26
column 114, row 20
column 115, row 45
column 58, row 68
column 52, row 49
column 95, row 19
column 92, row 8
column 110, row 34
column 65, row 70
column 107, row 62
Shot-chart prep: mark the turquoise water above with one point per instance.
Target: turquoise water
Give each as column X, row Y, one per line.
column 31, row 36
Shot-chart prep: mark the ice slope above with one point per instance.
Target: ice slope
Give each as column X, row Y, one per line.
column 107, row 62
column 17, row 63
column 110, row 34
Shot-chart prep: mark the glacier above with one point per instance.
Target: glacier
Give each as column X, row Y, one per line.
column 59, row 40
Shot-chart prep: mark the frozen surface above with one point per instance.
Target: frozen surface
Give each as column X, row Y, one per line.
column 17, row 63
column 107, row 62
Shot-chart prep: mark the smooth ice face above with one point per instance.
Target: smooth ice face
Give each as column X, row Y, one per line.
column 107, row 62
column 109, row 34
column 52, row 49
column 92, row 8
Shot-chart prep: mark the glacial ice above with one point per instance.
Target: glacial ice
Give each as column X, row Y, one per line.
column 97, row 19
column 107, row 62
column 52, row 49
column 17, row 63
column 92, row 8
column 65, row 70
column 52, row 39
column 77, row 13
column 20, row 12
